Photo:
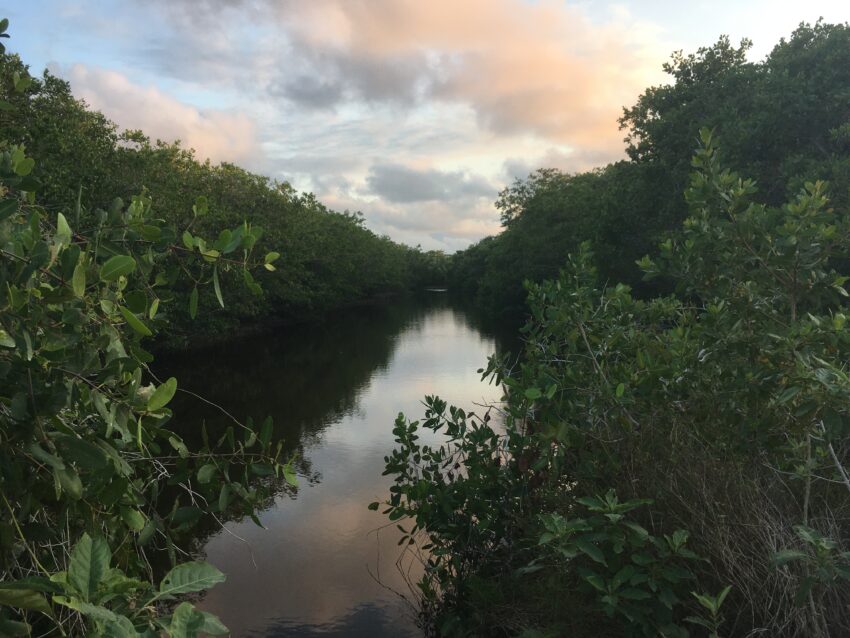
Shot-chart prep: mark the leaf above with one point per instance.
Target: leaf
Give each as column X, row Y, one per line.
column 120, row 627
column 788, row 394
column 217, row 287
column 224, row 497
column 188, row 240
column 24, row 599
column 95, row 612
column 8, row 207
column 84, row 454
column 186, row 622
column 621, row 388
column 78, row 280
column 24, row 167
column 533, row 394
column 117, row 266
column 14, row 629
column 190, row 577
column 591, row 550
column 88, row 565
column 289, row 475
column 162, row 395
column 63, row 231
column 193, row 302
column 70, row 482
column 787, row 555
column 154, row 308
column 213, row 626
column 206, row 473
column 135, row 323
column 134, row 519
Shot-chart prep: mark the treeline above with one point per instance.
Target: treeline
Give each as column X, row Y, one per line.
column 670, row 459
column 328, row 259
column 783, row 121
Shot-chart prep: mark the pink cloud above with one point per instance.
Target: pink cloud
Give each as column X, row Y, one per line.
column 542, row 68
column 215, row 134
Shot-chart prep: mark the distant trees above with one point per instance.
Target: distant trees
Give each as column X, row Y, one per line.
column 332, row 259
column 784, row 121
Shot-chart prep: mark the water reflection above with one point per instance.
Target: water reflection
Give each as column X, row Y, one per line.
column 334, row 391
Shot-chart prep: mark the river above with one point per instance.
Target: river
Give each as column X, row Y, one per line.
column 325, row 565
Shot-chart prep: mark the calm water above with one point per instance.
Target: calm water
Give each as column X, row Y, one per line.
column 322, row 567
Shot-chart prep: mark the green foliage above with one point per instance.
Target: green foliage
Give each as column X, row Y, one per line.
column 784, row 122
column 630, row 572
column 726, row 404
column 332, row 259
column 109, row 603
column 93, row 473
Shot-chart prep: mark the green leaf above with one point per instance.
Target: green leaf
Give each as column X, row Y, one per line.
column 188, row 578
column 224, row 497
column 217, row 287
column 70, row 482
column 133, row 518
column 24, row 599
column 193, row 302
column 188, row 240
column 532, row 394
column 162, row 395
column 206, row 473
column 88, row 565
column 591, row 550
column 186, row 622
column 13, row 628
column 63, row 231
column 116, row 266
column 24, row 167
column 289, row 475
column 95, row 612
column 120, row 627
column 621, row 388
column 788, row 555
column 147, row 532
column 8, row 207
column 84, row 454
column 135, row 323
column 78, row 280
column 213, row 626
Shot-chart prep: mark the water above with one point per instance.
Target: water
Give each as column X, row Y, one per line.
column 322, row 567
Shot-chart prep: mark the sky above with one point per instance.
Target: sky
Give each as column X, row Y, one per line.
column 414, row 112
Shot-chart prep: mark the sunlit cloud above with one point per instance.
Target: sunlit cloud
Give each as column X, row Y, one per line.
column 217, row 135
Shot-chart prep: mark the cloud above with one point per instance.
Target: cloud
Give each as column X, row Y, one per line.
column 217, row 134
column 415, row 113
column 400, row 184
column 542, row 68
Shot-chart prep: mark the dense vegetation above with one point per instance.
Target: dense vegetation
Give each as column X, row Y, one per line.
column 332, row 259
column 784, row 121
column 670, row 459
column 108, row 241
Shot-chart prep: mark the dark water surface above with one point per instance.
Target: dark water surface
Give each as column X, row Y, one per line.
column 320, row 568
